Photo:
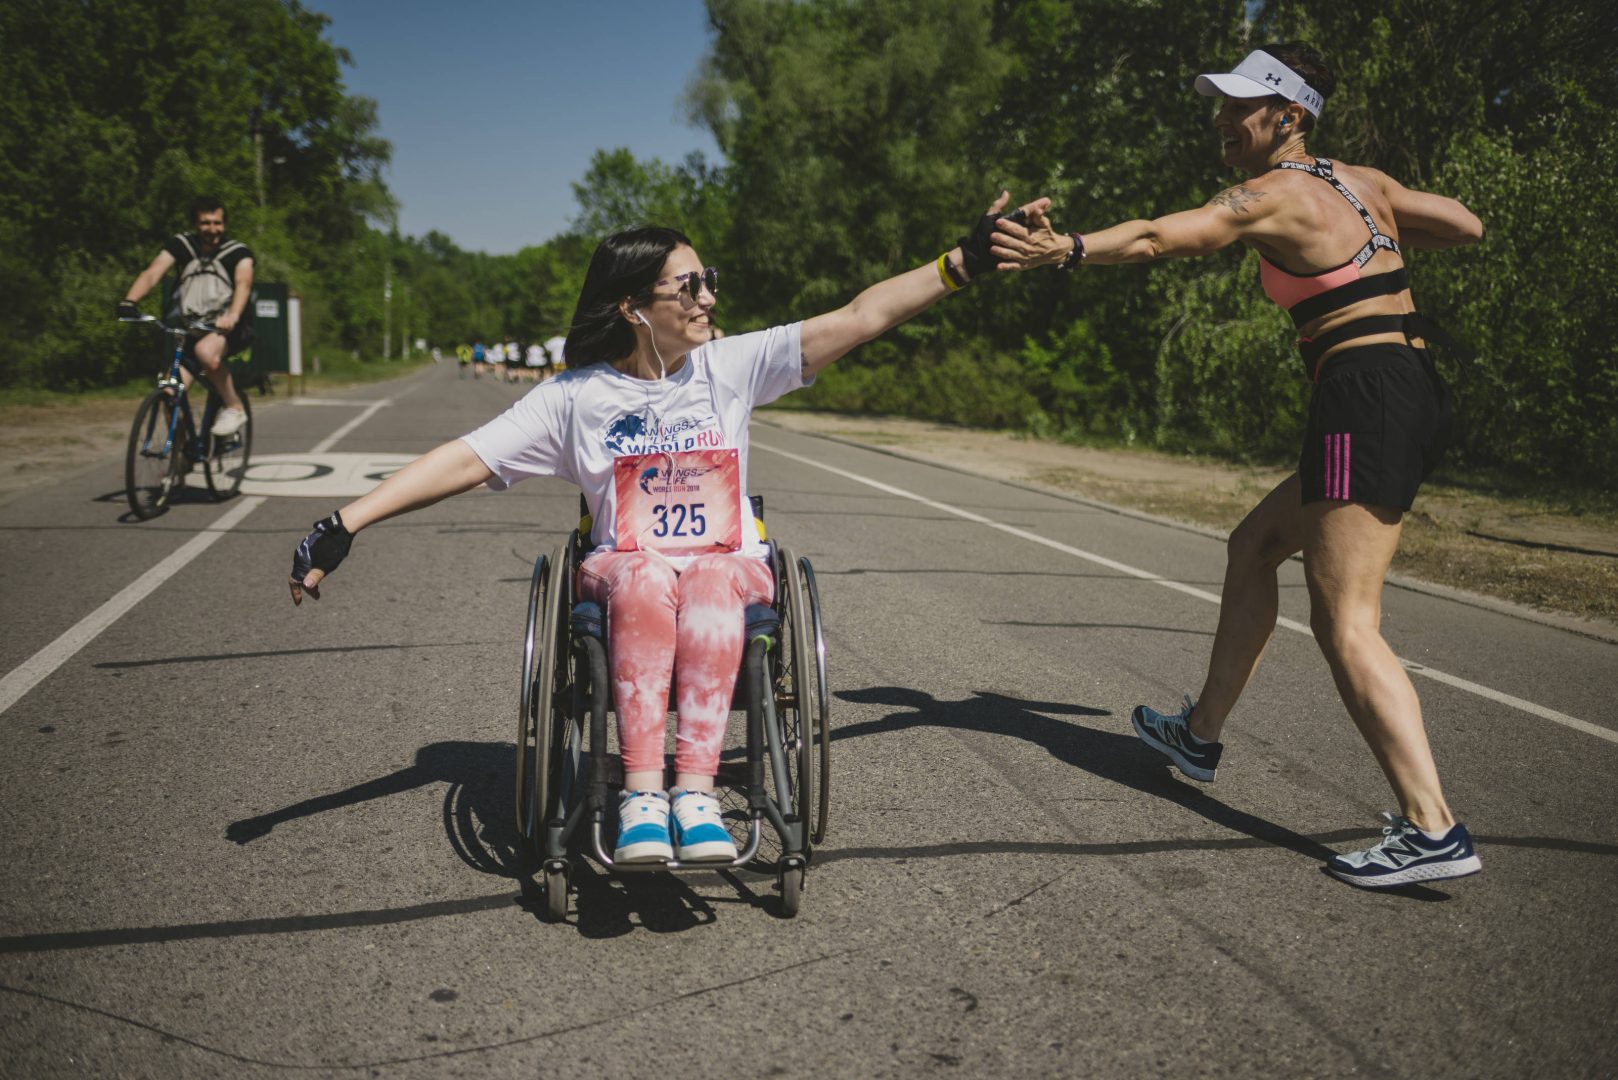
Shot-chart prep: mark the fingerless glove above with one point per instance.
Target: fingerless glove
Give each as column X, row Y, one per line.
column 322, row 549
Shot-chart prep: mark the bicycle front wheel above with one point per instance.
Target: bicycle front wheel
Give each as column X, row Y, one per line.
column 226, row 462
column 153, row 463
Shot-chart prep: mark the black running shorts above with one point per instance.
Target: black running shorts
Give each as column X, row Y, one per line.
column 1379, row 420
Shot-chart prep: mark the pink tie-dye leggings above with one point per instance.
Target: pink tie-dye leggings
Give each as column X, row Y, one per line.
column 689, row 624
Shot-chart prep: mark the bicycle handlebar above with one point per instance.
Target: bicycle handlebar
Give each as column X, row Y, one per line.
column 206, row 328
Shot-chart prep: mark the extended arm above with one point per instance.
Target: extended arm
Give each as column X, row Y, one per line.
column 886, row 304
column 873, row 312
column 1426, row 220
column 149, row 277
column 1186, row 234
column 243, row 287
column 447, row 470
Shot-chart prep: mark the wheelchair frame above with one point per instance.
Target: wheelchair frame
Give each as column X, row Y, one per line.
column 566, row 785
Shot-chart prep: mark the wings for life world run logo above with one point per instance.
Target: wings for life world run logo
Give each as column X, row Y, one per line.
column 633, row 435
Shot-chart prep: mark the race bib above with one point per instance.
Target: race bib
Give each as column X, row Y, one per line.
column 685, row 503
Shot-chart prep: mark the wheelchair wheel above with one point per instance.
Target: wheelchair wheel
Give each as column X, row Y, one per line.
column 555, row 894
column 227, row 457
column 791, row 890
column 820, row 712
column 544, row 723
column 795, row 693
column 152, row 466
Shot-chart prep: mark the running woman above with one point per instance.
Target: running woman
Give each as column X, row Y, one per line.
column 648, row 394
column 1329, row 236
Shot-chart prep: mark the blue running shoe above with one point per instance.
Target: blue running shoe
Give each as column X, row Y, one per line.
column 643, row 828
column 1406, row 855
column 699, row 832
column 1170, row 735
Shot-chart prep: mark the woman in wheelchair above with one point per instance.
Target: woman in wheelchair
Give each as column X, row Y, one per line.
column 651, row 422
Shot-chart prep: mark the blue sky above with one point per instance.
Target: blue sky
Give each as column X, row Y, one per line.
column 494, row 107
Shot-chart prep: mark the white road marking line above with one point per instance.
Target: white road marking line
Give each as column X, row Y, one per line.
column 331, row 440
column 341, row 403
column 1455, row 681
column 32, row 671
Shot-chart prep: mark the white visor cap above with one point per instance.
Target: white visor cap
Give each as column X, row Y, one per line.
column 1260, row 75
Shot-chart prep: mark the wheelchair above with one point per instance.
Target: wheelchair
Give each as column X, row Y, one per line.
column 567, row 780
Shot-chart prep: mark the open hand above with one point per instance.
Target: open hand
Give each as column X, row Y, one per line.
column 1026, row 244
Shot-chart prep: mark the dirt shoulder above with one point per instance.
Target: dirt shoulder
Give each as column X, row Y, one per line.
column 1498, row 549
column 1509, row 550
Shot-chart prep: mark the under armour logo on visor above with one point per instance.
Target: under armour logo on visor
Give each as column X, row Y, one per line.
column 1272, row 77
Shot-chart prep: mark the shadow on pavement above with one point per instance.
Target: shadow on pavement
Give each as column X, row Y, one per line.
column 1118, row 758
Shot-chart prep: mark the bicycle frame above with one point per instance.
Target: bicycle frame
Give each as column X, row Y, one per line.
column 174, row 382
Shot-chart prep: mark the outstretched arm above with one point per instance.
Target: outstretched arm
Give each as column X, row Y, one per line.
column 1223, row 221
column 884, row 305
column 1426, row 220
column 447, row 470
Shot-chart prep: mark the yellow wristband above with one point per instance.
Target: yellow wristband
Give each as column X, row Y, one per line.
column 944, row 275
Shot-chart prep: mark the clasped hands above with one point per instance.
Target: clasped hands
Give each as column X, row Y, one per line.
column 1027, row 239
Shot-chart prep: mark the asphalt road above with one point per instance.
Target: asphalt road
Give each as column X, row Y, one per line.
column 242, row 839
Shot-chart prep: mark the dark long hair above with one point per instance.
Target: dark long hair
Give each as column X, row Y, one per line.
column 624, row 264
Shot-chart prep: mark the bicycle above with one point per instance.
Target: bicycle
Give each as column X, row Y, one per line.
column 165, row 444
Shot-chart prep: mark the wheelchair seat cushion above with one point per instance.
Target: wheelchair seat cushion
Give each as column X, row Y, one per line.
column 762, row 622
column 587, row 621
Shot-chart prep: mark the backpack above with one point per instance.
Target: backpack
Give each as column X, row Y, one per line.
column 205, row 288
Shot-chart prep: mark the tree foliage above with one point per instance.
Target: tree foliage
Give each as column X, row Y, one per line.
column 859, row 138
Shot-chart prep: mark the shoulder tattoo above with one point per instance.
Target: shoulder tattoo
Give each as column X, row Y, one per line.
column 1238, row 198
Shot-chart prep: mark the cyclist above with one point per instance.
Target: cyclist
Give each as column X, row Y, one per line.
column 213, row 281
column 648, row 396
column 1378, row 419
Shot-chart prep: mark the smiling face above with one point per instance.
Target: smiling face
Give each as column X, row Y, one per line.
column 211, row 227
column 675, row 319
column 1249, row 132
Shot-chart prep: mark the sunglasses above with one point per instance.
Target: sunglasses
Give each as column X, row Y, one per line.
column 692, row 283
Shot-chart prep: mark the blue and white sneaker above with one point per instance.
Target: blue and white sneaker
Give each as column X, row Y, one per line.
column 1406, row 855
column 1170, row 735
column 643, row 828
column 699, row 832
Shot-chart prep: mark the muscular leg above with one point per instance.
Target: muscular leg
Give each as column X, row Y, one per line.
column 1346, row 556
column 210, row 353
column 1272, row 531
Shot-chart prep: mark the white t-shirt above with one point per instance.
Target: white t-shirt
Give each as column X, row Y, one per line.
column 536, row 356
column 575, row 425
column 554, row 347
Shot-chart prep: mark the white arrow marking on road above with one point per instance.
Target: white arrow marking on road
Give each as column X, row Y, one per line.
column 1456, row 681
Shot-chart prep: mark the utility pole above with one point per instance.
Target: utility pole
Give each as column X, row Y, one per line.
column 258, row 156
column 387, row 309
column 404, row 320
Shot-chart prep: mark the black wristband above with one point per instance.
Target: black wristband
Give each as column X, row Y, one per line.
column 1074, row 257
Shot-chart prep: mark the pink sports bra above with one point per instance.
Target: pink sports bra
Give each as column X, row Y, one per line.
column 1309, row 296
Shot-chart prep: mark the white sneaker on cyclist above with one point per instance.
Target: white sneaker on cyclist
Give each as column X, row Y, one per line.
column 229, row 422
